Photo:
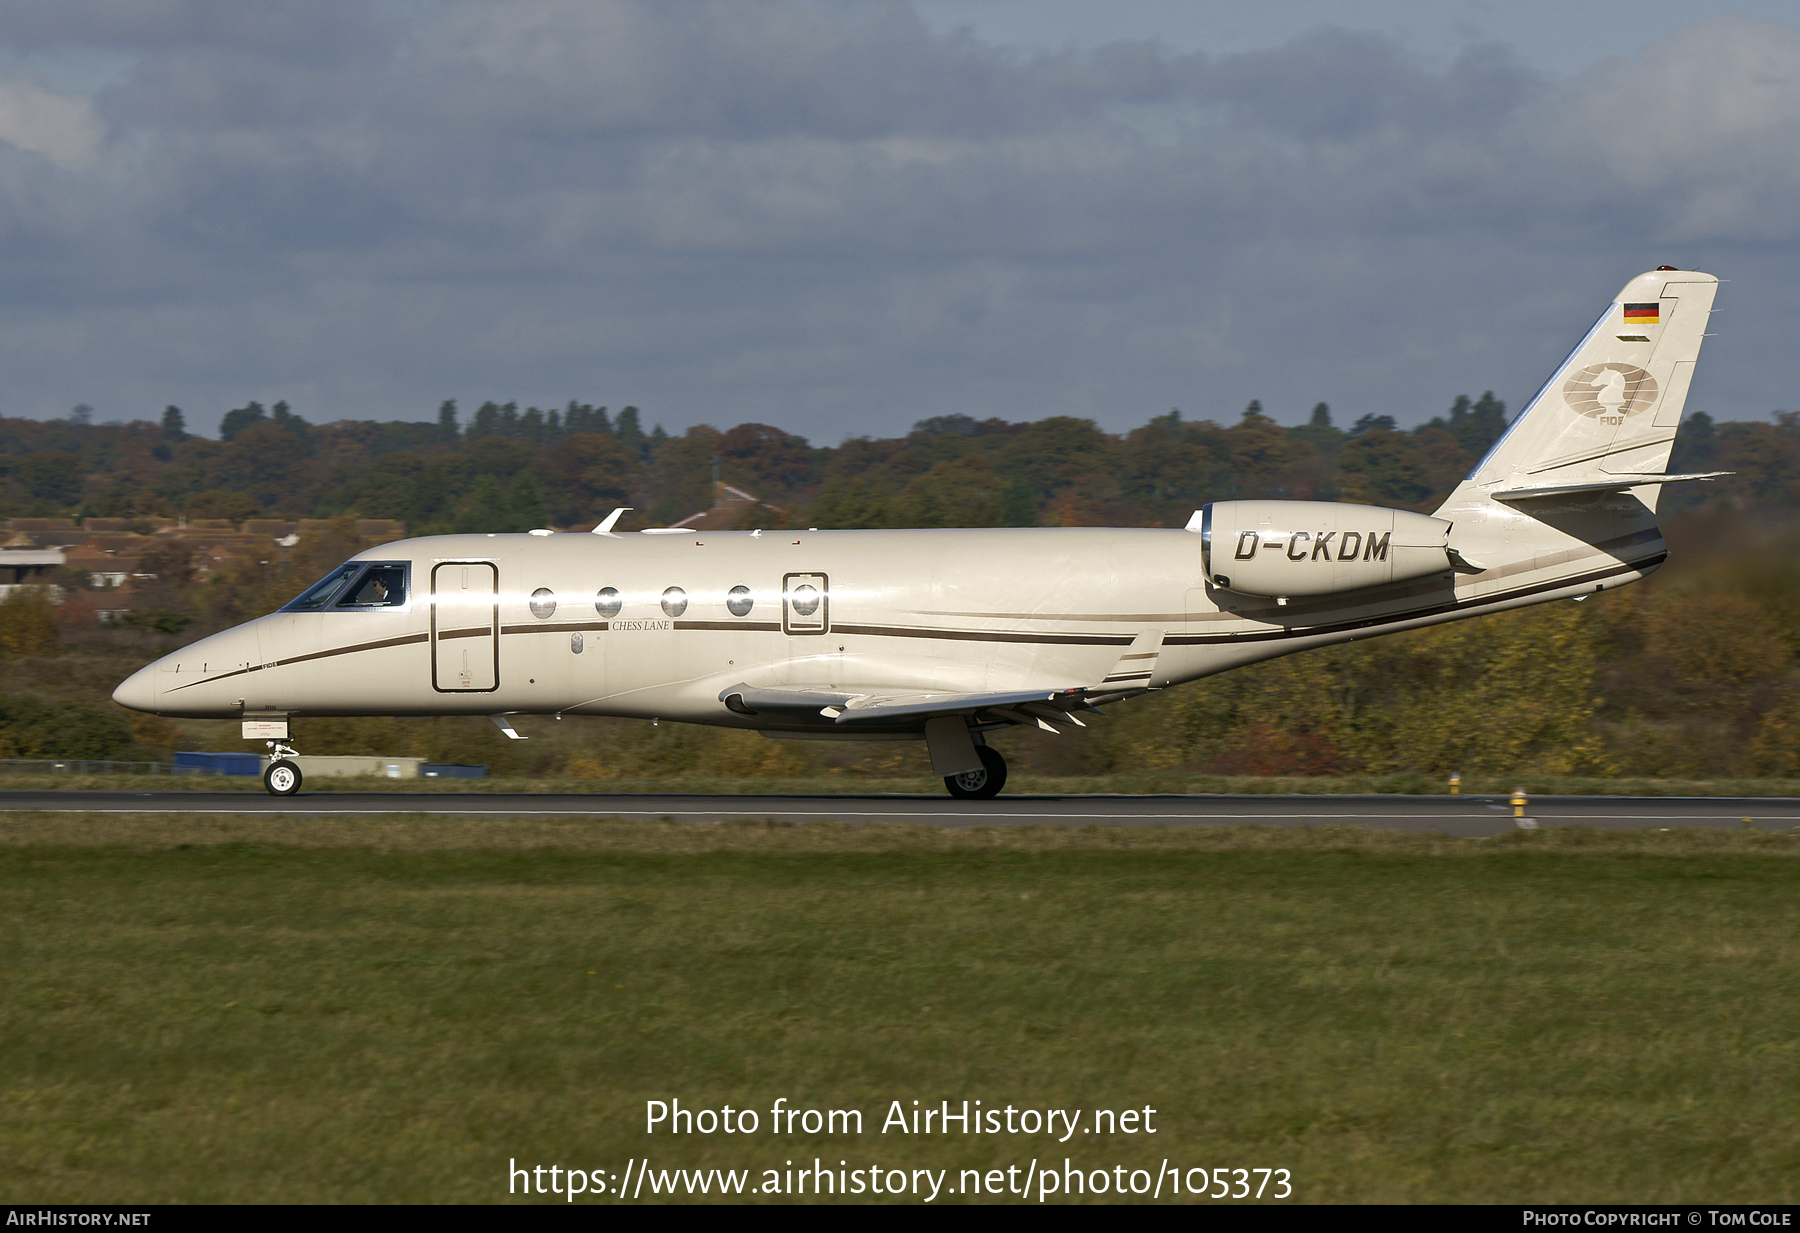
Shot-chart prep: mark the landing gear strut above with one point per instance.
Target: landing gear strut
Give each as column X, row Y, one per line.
column 982, row 784
column 282, row 777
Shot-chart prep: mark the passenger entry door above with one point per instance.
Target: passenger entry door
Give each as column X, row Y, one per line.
column 465, row 627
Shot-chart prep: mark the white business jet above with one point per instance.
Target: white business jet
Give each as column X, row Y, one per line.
column 945, row 636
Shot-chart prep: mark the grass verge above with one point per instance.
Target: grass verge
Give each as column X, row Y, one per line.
column 392, row 1008
column 1401, row 784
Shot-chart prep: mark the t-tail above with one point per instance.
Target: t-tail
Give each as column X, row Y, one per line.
column 1570, row 490
column 1606, row 419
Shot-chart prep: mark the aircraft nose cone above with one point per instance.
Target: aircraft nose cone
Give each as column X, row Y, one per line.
column 138, row 691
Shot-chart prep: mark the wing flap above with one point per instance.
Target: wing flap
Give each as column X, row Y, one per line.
column 853, row 708
column 919, row 705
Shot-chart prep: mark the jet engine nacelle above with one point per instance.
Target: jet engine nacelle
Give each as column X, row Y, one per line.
column 1284, row 548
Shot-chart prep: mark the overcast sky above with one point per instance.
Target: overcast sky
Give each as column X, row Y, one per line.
column 842, row 217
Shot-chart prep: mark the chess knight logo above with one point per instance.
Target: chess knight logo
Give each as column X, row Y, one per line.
column 1610, row 392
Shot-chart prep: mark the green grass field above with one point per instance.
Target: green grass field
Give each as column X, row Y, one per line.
column 389, row 1009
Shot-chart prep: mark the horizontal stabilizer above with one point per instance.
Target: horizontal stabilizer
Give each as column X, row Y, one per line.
column 1615, row 483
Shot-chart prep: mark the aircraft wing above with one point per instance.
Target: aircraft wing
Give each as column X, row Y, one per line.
column 851, row 707
column 925, row 705
column 1044, row 706
column 1047, row 708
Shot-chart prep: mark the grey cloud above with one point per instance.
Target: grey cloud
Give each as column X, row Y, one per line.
column 1337, row 85
column 824, row 216
column 1698, row 133
column 313, row 27
column 719, row 68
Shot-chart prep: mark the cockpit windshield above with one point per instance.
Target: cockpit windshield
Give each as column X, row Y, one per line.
column 355, row 584
column 321, row 593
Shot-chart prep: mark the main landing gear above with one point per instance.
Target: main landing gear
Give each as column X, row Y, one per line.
column 282, row 777
column 982, row 784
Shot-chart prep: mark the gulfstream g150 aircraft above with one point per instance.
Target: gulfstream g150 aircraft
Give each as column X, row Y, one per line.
column 944, row 636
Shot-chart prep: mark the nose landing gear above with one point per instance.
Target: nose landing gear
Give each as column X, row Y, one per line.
column 282, row 777
column 982, row 784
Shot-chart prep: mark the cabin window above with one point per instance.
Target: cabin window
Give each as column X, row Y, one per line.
column 805, row 599
column 738, row 602
column 674, row 601
column 607, row 603
column 542, row 603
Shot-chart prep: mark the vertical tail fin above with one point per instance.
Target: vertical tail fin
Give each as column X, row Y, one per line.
column 1611, row 410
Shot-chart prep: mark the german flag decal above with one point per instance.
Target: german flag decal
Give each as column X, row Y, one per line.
column 1641, row 314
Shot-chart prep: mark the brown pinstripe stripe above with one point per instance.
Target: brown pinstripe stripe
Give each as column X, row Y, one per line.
column 556, row 627
column 985, row 635
column 764, row 627
column 403, row 640
column 1393, row 618
column 971, row 635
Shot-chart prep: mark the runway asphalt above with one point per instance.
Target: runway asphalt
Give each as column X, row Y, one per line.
column 1453, row 815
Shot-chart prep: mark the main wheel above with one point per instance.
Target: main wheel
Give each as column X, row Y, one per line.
column 282, row 778
column 982, row 784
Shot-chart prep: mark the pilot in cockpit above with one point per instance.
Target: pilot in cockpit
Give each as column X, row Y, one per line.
column 380, row 588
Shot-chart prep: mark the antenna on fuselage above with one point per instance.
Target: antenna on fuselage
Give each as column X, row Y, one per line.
column 610, row 521
column 505, row 725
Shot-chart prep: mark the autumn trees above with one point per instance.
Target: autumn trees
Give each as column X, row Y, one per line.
column 505, row 467
column 1693, row 674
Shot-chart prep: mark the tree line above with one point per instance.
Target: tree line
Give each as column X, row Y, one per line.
column 508, row 469
column 1690, row 675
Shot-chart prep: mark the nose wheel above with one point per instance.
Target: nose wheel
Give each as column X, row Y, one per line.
column 282, row 777
column 982, row 784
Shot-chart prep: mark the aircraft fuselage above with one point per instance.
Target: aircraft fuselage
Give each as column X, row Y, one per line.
column 661, row 625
